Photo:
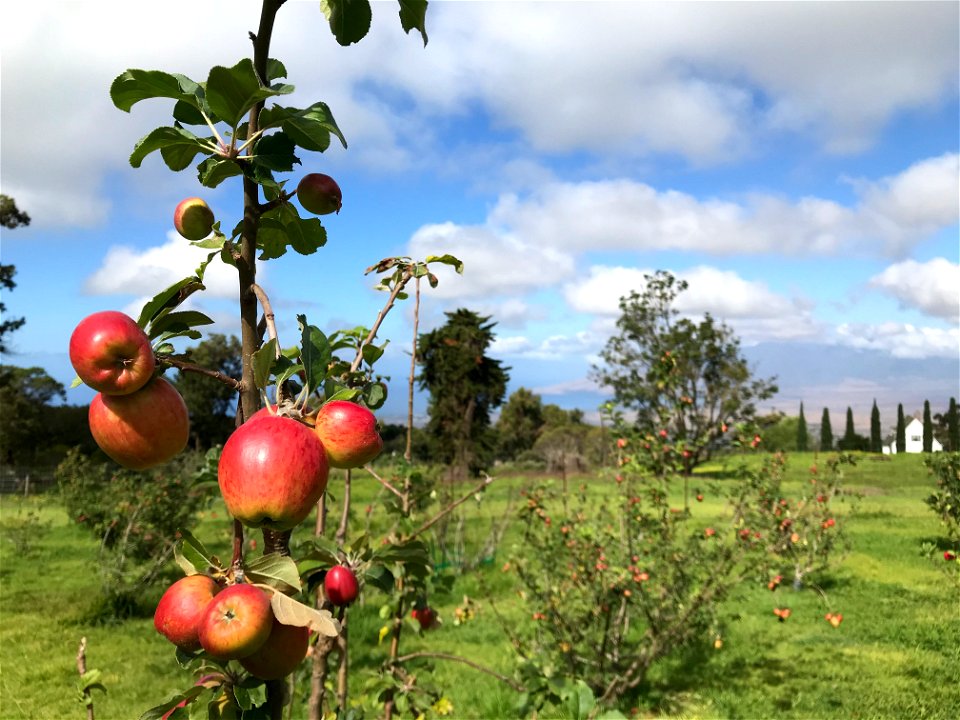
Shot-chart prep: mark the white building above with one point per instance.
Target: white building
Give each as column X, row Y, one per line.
column 914, row 433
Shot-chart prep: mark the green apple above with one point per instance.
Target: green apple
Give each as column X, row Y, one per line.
column 193, row 218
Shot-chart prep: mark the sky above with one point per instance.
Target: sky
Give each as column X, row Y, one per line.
column 796, row 163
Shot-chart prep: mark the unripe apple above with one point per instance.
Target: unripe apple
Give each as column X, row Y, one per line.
column 193, row 218
column 182, row 607
column 349, row 434
column 111, row 353
column 340, row 585
column 272, row 472
column 283, row 650
column 319, row 194
column 236, row 623
column 143, row 429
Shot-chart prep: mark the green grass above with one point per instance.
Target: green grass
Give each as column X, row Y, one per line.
column 896, row 655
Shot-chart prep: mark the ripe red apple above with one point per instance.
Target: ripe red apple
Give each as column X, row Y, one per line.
column 283, row 650
column 319, row 194
column 111, row 353
column 193, row 218
column 181, row 608
column 426, row 616
column 349, row 434
column 141, row 430
column 340, row 585
column 272, row 472
column 236, row 623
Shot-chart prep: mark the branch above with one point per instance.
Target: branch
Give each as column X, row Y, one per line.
column 383, row 482
column 268, row 315
column 456, row 503
column 82, row 670
column 380, row 317
column 184, row 366
column 456, row 658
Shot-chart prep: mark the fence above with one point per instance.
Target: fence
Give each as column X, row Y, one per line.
column 25, row 480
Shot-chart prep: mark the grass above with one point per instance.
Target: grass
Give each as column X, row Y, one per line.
column 896, row 655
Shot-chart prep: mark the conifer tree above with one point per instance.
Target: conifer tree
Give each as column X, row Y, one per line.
column 876, row 441
column 803, row 437
column 826, row 432
column 901, row 430
column 927, row 428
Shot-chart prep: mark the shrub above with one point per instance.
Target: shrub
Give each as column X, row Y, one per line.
column 945, row 502
column 24, row 528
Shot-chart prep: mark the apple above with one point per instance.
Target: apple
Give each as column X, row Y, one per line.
column 272, row 472
column 181, row 608
column 319, row 194
column 349, row 434
column 193, row 218
column 236, row 623
column 283, row 650
column 111, row 353
column 141, row 430
column 426, row 616
column 340, row 585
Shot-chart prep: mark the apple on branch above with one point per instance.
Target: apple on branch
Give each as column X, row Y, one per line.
column 111, row 353
column 236, row 623
column 181, row 609
column 319, row 194
column 283, row 650
column 349, row 434
column 193, row 218
column 340, row 585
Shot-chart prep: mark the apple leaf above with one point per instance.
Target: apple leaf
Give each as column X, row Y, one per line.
column 276, row 570
column 214, row 170
column 232, row 92
column 291, row 612
column 314, row 352
column 349, row 19
column 374, row 395
column 413, row 16
column 179, row 321
column 168, row 299
column 372, row 353
column 191, row 555
column 447, row 259
column 188, row 113
column 263, row 360
column 275, row 152
column 156, row 713
column 275, row 69
column 76, row 382
column 344, row 393
column 310, row 128
column 178, row 146
column 132, row 86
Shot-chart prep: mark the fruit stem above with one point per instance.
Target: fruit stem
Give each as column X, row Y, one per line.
column 213, row 129
column 237, row 559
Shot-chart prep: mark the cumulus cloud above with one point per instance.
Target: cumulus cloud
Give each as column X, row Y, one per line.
column 933, row 287
column 901, row 340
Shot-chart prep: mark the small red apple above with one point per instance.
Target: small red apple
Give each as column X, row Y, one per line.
column 426, row 616
column 948, row 556
column 193, row 218
column 272, row 472
column 349, row 434
column 111, row 353
column 236, row 623
column 340, row 585
column 319, row 194
column 283, row 650
column 182, row 607
column 143, row 429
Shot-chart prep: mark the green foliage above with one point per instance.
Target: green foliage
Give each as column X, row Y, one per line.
column 953, row 426
column 927, row 428
column 826, row 432
column 781, row 434
column 876, row 431
column 945, row 501
column 803, row 436
column 901, row 440
column 519, row 424
column 212, row 404
column 25, row 528
column 851, row 441
column 25, row 396
column 675, row 374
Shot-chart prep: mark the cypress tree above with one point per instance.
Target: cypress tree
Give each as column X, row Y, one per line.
column 876, row 441
column 927, row 428
column 953, row 426
column 901, row 430
column 849, row 439
column 826, row 433
column 803, row 438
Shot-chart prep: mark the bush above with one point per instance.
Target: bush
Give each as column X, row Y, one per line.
column 24, row 528
column 945, row 502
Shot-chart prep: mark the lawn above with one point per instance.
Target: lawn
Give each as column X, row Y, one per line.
column 896, row 654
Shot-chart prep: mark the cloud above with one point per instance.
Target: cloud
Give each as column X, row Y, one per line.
column 933, row 287
column 901, row 340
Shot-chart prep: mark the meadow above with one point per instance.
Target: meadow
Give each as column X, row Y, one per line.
column 896, row 654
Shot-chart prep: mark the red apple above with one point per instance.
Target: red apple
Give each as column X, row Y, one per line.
column 193, row 218
column 182, row 606
column 272, row 472
column 141, row 430
column 349, row 434
column 319, row 194
column 284, row 649
column 236, row 623
column 426, row 616
column 340, row 585
column 111, row 353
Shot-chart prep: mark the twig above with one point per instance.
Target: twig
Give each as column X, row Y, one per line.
column 190, row 367
column 237, row 559
column 380, row 317
column 267, row 313
column 82, row 670
column 408, row 451
column 455, row 504
column 341, row 536
column 385, row 483
column 456, row 658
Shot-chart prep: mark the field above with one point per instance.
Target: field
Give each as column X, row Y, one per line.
column 896, row 655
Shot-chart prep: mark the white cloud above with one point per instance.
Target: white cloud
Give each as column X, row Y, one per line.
column 901, row 340
column 932, row 287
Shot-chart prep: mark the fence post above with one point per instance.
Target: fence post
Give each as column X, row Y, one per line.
column 26, row 485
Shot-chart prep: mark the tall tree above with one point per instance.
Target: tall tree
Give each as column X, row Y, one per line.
column 25, row 394
column 927, row 428
column 953, row 426
column 212, row 404
column 850, row 439
column 465, row 385
column 826, row 432
column 520, row 422
column 876, row 432
column 676, row 374
column 901, row 430
column 10, row 217
column 803, row 436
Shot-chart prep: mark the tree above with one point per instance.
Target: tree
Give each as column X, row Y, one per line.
column 10, row 217
column 212, row 404
column 953, row 427
column 901, row 430
column 803, row 437
column 876, row 441
column 520, row 422
column 25, row 395
column 826, row 432
column 850, row 439
column 927, row 428
column 779, row 432
column 685, row 377
column 465, row 385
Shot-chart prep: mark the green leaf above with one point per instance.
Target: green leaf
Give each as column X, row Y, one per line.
column 188, row 113
column 168, row 299
column 311, row 128
column 214, row 170
column 191, row 555
column 349, row 19
column 180, row 321
column 372, row 353
column 276, row 570
column 282, row 227
column 413, row 16
column 275, row 69
column 132, row 86
column 314, row 352
column 232, row 92
column 447, row 260
column 276, row 152
column 178, row 147
column 344, row 394
column 374, row 395
column 263, row 360
column 155, row 713
column 90, row 678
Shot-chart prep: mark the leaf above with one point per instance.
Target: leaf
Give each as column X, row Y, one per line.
column 372, row 353
column 90, row 679
column 311, row 128
column 374, row 395
column 188, row 113
column 232, row 92
column 275, row 69
column 413, row 16
column 447, row 259
column 178, row 147
column 214, row 170
column 314, row 352
column 132, row 86
column 283, row 226
column 349, row 19
column 156, row 713
column 276, row 570
column 179, row 321
column 76, row 382
column 191, row 554
column 168, row 299
column 343, row 393
column 290, row 612
column 275, row 152
column 263, row 360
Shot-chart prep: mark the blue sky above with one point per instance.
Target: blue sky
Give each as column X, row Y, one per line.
column 797, row 163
